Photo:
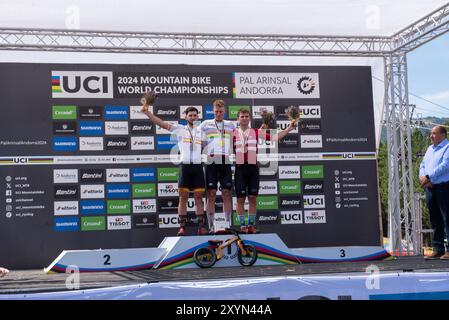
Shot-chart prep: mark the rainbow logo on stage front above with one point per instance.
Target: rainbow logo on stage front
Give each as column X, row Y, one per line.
column 234, row 91
column 55, row 84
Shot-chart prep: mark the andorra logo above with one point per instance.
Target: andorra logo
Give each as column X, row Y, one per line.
column 306, row 85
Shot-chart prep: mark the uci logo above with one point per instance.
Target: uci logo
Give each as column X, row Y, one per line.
column 348, row 155
column 20, row 160
column 82, row 84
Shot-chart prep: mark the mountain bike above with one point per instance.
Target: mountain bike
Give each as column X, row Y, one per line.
column 207, row 256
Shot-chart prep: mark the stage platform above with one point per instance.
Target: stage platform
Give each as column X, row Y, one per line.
column 35, row 281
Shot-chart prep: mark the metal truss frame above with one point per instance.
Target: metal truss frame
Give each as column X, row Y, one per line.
column 404, row 235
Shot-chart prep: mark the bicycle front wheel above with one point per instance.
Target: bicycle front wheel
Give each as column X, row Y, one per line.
column 204, row 257
column 251, row 255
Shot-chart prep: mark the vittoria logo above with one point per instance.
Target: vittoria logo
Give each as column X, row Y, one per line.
column 311, row 141
column 66, row 208
column 92, row 191
column 81, row 84
column 142, row 143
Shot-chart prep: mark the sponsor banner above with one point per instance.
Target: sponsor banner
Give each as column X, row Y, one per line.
column 65, row 144
column 92, row 207
column 135, row 113
column 116, row 113
column 116, row 143
column 191, row 204
column 289, row 172
column 93, row 223
column 118, row 191
column 267, row 203
column 233, row 110
column 143, row 174
column 91, row 143
column 67, row 224
column 268, row 187
column 167, row 112
column 314, row 216
column 116, row 128
column 268, row 171
column 312, row 172
column 144, row 190
column 167, row 205
column 291, row 217
column 160, row 130
column 265, row 144
column 313, row 186
column 262, row 85
column 209, row 112
column 64, row 113
column 118, row 206
column 258, row 110
column 91, row 128
column 90, row 113
column 64, row 128
column 289, row 187
column 165, row 142
column 290, row 202
column 117, row 175
column 141, row 127
column 91, row 175
column 142, row 143
column 283, row 124
column 290, row 141
column 168, row 174
column 119, row 223
column 314, row 201
column 92, row 191
column 310, row 112
column 311, row 141
column 183, row 108
column 144, row 205
column 268, row 218
column 65, row 176
column 82, row 84
column 310, row 126
column 145, row 221
column 66, row 208
column 167, row 189
column 66, row 191
column 168, row 221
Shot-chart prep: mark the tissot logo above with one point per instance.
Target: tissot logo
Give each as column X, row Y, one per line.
column 117, row 175
column 291, row 217
column 167, row 205
column 144, row 205
column 66, row 192
column 311, row 141
column 119, row 222
column 289, row 172
column 90, row 113
column 91, row 175
column 167, row 189
column 166, row 112
column 268, row 187
column 267, row 218
column 64, row 128
column 66, row 208
column 314, row 202
column 145, row 221
column 310, row 112
column 310, row 126
column 141, row 127
column 95, row 191
column 313, row 186
column 290, row 202
column 142, row 143
column 315, row 216
column 65, row 176
column 81, row 84
column 168, row 221
column 116, row 127
column 116, row 143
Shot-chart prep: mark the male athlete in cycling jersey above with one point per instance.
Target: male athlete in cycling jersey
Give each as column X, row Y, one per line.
column 216, row 135
column 246, row 176
column 191, row 175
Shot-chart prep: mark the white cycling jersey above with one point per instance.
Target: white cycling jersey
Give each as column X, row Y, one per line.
column 217, row 136
column 189, row 142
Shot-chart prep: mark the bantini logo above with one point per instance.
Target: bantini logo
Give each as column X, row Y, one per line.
column 306, row 85
column 81, row 84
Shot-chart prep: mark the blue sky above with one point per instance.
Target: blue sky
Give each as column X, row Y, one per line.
column 429, row 77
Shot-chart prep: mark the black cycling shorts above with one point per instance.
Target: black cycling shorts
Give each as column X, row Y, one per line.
column 218, row 173
column 246, row 180
column 191, row 177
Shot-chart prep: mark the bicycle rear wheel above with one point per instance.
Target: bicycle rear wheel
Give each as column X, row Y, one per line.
column 204, row 257
column 251, row 255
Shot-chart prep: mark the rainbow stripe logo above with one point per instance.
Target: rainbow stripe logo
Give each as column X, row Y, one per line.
column 56, row 84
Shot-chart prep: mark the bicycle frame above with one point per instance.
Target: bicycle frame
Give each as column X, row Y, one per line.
column 227, row 243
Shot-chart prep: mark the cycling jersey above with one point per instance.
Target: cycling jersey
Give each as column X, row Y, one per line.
column 245, row 144
column 217, row 137
column 189, row 142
